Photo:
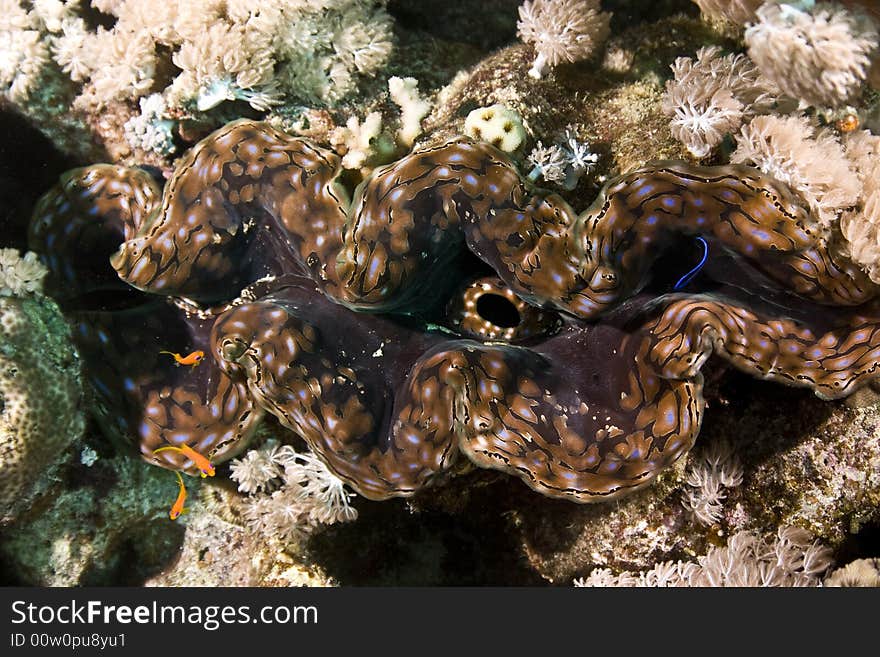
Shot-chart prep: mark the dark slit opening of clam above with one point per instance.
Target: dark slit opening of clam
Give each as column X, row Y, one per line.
column 489, row 310
column 497, row 310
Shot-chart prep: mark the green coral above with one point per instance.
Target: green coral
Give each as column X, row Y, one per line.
column 40, row 397
column 98, row 525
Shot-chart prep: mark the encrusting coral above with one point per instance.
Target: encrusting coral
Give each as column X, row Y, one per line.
column 585, row 406
column 40, row 396
column 498, row 125
column 95, row 525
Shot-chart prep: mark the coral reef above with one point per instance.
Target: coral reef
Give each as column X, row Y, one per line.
column 40, row 394
column 803, row 465
column 95, row 525
column 217, row 550
column 736, row 11
column 784, row 109
column 715, row 469
column 861, row 572
column 308, row 493
column 20, row 275
column 860, row 225
column 712, row 96
column 105, row 57
column 812, row 162
column 563, row 163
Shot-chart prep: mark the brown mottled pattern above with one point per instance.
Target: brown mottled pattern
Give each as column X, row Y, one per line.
column 831, row 362
column 339, row 380
column 215, row 205
column 144, row 397
column 141, row 396
column 583, row 415
column 736, row 205
column 407, row 221
column 587, row 412
column 84, row 218
column 570, row 432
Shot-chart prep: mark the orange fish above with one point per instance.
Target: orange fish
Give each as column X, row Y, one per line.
column 848, row 123
column 193, row 358
column 202, row 463
column 177, row 507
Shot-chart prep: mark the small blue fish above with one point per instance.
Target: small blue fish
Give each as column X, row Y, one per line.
column 687, row 278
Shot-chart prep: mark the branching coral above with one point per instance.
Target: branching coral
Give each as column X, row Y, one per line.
column 820, row 56
column 20, row 275
column 792, row 558
column 860, row 226
column 585, row 409
column 211, row 52
column 715, row 469
column 712, row 96
column 562, row 31
column 405, row 93
column 360, row 141
column 308, row 493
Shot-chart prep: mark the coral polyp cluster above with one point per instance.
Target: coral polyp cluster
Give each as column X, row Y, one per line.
column 596, row 389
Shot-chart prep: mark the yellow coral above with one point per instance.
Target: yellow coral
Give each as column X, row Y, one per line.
column 500, row 126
